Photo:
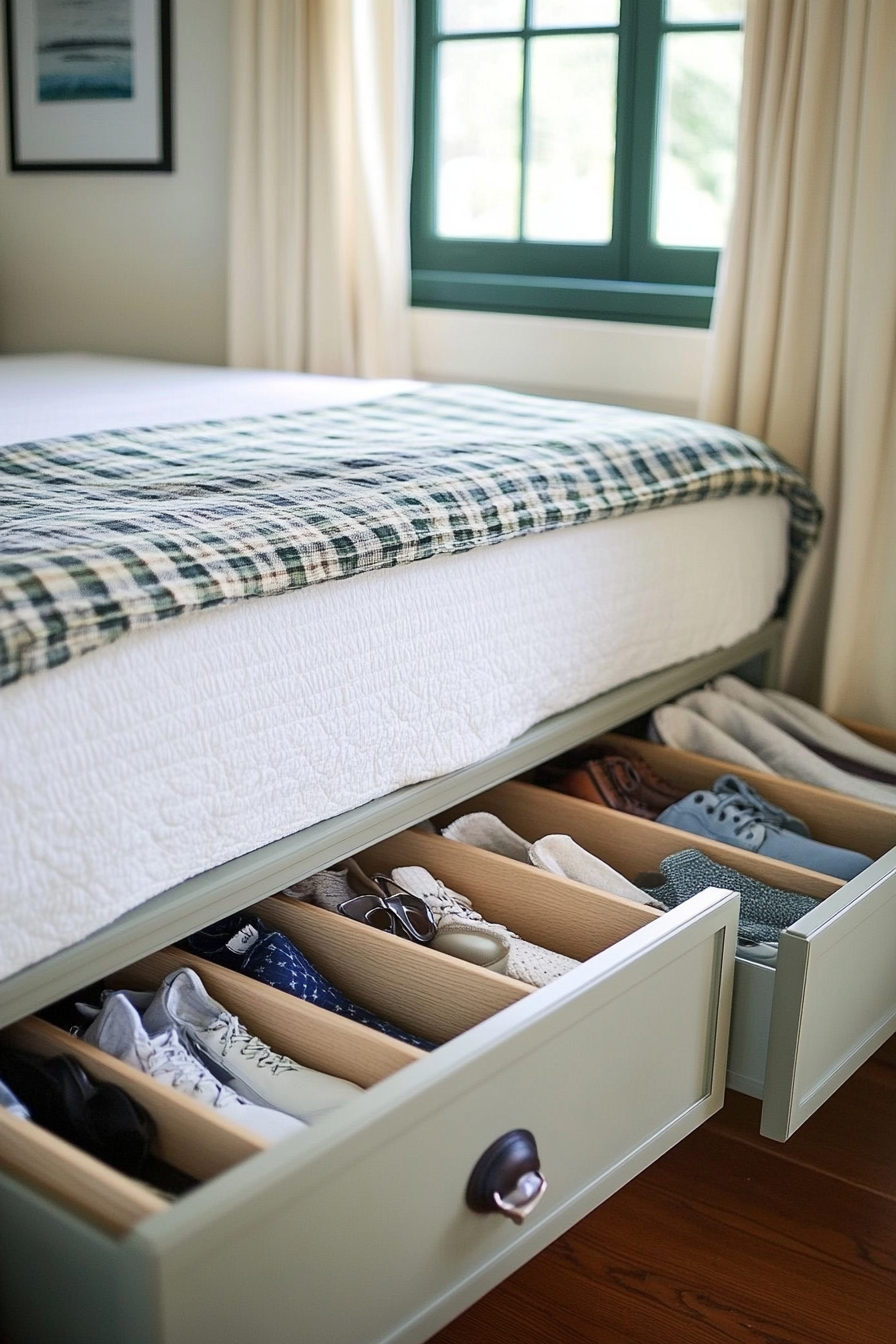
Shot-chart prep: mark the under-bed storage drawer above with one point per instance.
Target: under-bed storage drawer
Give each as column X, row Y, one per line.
column 799, row 1028
column 357, row 1230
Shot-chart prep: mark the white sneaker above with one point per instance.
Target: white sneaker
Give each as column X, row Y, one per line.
column 454, row 915
column 119, row 1031
column 480, row 944
column 238, row 1059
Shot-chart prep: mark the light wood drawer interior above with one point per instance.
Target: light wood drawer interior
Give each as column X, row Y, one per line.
column 435, row 996
column 631, row 845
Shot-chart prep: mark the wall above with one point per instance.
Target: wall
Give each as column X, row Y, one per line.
column 655, row 368
column 129, row 263
column 135, row 264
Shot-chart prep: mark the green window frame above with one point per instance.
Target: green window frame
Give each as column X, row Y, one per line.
column 631, row 278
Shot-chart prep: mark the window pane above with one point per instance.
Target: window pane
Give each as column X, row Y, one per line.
column 572, row 139
column 705, row 11
column 700, row 97
column 574, row 13
column 479, row 120
column 480, row 16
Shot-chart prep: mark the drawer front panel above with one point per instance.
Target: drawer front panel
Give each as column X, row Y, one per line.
column 367, row 1237
column 835, row 997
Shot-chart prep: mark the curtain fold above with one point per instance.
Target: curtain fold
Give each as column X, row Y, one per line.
column 803, row 352
column 319, row 269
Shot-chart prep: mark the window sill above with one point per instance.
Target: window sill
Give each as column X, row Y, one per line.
column 551, row 296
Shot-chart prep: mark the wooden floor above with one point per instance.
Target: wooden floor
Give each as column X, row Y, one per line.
column 729, row 1237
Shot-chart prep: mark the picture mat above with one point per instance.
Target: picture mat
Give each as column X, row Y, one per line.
column 115, row 131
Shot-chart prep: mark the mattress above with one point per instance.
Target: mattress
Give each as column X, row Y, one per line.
column 186, row 744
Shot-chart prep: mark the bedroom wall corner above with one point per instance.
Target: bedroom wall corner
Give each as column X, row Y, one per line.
column 129, row 263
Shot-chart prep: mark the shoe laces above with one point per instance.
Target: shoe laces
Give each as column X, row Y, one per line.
column 744, row 818
column 446, row 904
column 234, row 1036
column 761, row 808
column 164, row 1057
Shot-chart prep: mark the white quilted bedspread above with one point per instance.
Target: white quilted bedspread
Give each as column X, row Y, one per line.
column 185, row 745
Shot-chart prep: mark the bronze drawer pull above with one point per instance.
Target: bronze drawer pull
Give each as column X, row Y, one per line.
column 507, row 1179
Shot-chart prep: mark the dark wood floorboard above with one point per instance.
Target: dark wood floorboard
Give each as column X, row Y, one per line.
column 852, row 1137
column 729, row 1238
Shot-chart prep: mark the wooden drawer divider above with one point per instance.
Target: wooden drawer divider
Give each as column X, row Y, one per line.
column 96, row 1192
column 423, row 991
column 631, row 844
column 832, row 818
column 552, row 911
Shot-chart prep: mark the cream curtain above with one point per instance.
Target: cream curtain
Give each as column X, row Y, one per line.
column 804, row 347
column 318, row 259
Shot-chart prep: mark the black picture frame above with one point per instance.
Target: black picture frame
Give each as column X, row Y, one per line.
column 112, row 132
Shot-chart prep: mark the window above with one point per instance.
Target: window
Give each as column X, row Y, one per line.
column 574, row 156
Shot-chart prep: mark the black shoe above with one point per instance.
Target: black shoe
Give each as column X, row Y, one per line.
column 99, row 1118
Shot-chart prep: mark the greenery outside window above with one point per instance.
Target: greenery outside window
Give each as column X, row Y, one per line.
column 574, row 157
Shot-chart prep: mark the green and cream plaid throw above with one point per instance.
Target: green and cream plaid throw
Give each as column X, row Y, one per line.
column 105, row 533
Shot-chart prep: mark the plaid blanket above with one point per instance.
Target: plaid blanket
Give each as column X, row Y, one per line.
column 105, row 533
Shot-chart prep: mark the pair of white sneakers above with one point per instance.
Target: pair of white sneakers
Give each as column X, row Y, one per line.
column 185, row 1039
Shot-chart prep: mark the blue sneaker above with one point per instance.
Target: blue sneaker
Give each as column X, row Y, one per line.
column 243, row 943
column 764, row 810
column 730, row 818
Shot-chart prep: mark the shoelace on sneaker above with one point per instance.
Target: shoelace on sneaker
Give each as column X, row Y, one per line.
column 234, row 1036
column 738, row 790
column 743, row 818
column 445, row 903
column 164, row 1055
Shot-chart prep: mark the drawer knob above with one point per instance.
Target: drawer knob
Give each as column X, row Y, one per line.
column 506, row 1179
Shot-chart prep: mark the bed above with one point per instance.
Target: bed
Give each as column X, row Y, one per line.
column 192, row 741
column 163, row 770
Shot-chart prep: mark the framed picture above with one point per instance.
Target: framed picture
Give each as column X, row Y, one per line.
column 89, row 85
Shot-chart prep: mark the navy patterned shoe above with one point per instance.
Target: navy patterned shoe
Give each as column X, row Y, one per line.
column 243, row 943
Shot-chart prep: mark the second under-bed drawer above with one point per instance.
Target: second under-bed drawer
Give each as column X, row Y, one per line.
column 799, row 1031
column 357, row 1229
column 799, row 1028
